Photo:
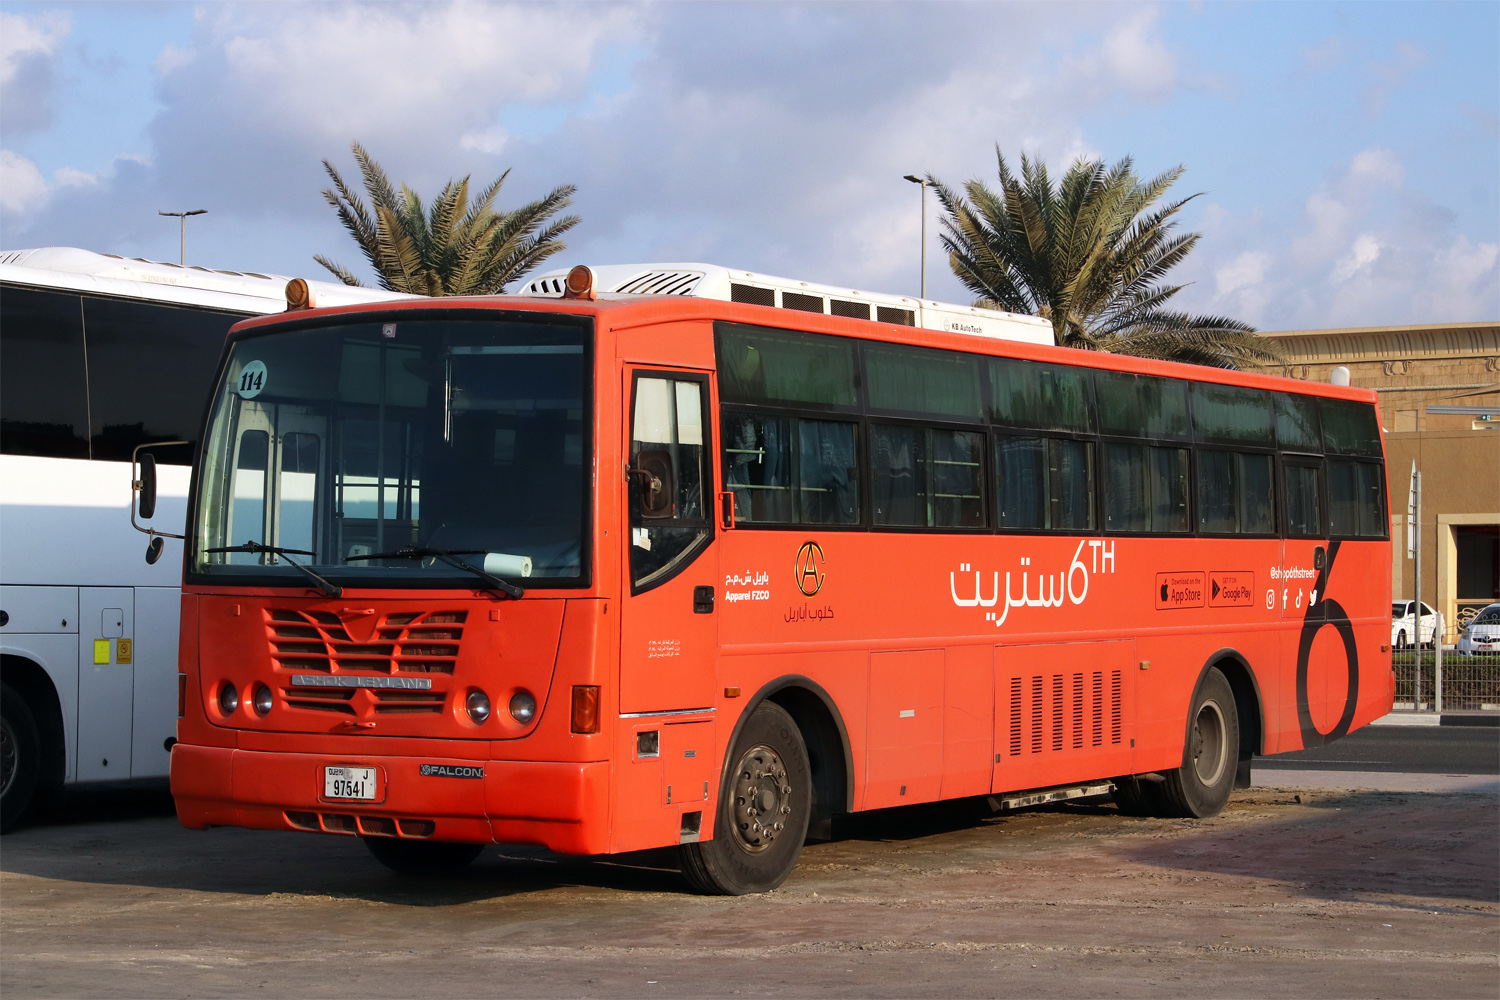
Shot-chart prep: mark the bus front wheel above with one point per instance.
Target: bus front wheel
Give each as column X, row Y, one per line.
column 20, row 756
column 765, row 802
column 422, row 857
column 1201, row 786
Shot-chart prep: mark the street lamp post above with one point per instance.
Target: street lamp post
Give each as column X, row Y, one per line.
column 182, row 249
column 917, row 180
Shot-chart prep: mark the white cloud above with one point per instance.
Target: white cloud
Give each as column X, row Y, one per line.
column 72, row 177
column 23, row 38
column 22, row 187
column 1366, row 251
column 1246, row 270
column 489, row 140
column 29, row 48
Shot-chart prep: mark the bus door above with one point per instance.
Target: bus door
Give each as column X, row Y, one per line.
column 106, row 681
column 669, row 629
column 1305, row 559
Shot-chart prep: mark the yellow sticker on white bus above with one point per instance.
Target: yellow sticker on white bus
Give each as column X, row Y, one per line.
column 122, row 650
column 101, row 650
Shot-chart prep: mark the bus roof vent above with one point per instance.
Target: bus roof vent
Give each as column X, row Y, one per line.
column 552, row 285
column 662, row 283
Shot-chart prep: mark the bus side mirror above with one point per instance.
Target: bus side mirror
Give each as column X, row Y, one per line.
column 153, row 549
column 657, row 481
column 147, row 487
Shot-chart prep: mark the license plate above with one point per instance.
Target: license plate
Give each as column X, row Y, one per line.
column 349, row 783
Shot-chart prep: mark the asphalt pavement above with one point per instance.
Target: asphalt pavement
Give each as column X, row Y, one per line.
column 1406, row 749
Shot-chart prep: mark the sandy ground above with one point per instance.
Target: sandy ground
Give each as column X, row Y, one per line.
column 1290, row 893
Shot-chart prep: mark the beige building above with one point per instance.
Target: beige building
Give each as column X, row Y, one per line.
column 1439, row 391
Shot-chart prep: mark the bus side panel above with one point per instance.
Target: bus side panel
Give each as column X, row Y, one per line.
column 155, row 694
column 905, row 749
column 1064, row 712
column 968, row 721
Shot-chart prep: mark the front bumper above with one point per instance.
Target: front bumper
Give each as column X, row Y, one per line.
column 563, row 806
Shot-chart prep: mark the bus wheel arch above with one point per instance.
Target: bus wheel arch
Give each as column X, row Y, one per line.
column 38, row 720
column 1249, row 706
column 816, row 714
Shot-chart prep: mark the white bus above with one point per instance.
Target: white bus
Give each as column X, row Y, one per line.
column 709, row 281
column 100, row 354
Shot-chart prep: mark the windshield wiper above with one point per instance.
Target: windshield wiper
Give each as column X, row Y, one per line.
column 451, row 558
column 331, row 589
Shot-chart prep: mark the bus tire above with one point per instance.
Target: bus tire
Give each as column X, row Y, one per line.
column 20, row 756
column 422, row 857
column 1201, row 786
column 1136, row 797
column 765, row 801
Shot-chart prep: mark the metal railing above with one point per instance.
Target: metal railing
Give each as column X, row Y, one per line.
column 1449, row 681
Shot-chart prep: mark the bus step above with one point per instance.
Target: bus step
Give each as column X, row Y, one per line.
column 1020, row 800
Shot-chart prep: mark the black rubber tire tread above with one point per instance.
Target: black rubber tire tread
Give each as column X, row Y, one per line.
column 1184, row 793
column 1136, row 797
column 422, row 857
column 21, row 728
column 721, row 866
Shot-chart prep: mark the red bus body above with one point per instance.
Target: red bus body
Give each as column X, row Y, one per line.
column 920, row 665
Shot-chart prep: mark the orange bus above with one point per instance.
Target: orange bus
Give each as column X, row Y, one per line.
column 613, row 573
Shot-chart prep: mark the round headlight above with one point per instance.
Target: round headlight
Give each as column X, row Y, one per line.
column 478, row 705
column 522, row 707
column 229, row 699
column 261, row 699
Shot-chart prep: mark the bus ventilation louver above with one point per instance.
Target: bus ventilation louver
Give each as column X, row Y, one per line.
column 401, row 644
column 1057, row 712
column 365, row 826
column 662, row 283
column 545, row 286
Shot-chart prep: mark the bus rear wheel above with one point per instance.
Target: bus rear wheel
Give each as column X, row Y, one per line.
column 422, row 857
column 1201, row 786
column 765, row 801
column 20, row 756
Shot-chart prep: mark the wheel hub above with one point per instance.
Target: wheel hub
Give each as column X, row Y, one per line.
column 1208, row 744
column 762, row 798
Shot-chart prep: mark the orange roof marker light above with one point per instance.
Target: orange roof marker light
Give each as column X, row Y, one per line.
column 581, row 284
column 299, row 295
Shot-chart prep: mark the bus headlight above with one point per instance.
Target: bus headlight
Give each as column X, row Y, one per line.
column 478, row 705
column 522, row 707
column 229, row 699
column 261, row 699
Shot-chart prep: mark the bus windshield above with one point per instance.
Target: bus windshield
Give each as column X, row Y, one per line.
column 420, row 442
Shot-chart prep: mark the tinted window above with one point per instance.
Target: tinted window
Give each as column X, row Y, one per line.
column 782, row 469
column 926, row 477
column 1050, row 397
column 1235, row 493
column 757, row 365
column 1228, row 415
column 1350, row 428
column 1304, row 516
column 913, row 380
column 828, row 476
column 1355, row 499
column 1044, row 483
column 1145, row 488
column 1297, row 423
column 151, row 371
column 43, row 395
column 1141, row 405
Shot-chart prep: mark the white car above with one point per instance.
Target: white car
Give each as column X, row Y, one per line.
column 1482, row 634
column 1404, row 626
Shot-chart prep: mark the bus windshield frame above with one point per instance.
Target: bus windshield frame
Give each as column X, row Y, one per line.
column 438, row 392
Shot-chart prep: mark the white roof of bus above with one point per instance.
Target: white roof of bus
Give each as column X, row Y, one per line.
column 710, row 281
column 137, row 278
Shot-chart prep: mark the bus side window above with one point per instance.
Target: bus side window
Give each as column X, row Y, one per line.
column 1145, row 488
column 1235, row 493
column 668, row 519
column 1304, row 518
column 828, row 476
column 248, row 511
column 1354, row 499
column 757, row 466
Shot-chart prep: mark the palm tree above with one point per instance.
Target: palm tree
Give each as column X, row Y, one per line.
column 1089, row 255
column 451, row 248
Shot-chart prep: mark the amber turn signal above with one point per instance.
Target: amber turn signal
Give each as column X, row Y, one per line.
column 298, row 295
column 585, row 708
column 580, row 283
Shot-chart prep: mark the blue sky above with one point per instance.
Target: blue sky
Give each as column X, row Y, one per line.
column 1348, row 153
